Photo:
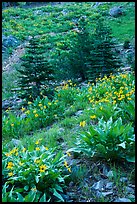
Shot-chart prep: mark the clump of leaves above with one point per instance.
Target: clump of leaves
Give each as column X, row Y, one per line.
column 109, row 140
column 34, row 174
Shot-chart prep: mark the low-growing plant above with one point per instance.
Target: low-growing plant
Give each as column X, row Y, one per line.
column 35, row 174
column 109, row 140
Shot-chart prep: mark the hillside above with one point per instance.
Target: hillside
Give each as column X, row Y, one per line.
column 78, row 145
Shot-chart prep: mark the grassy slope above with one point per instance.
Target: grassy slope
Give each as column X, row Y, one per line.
column 123, row 27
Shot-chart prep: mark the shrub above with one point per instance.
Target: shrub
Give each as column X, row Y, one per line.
column 34, row 174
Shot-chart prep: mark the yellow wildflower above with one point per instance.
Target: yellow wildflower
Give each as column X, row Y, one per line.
column 37, row 148
column 12, row 124
column 46, row 148
column 34, row 111
column 24, row 149
column 40, row 104
column 68, row 154
column 49, row 103
column 10, row 165
column 29, row 102
column 82, row 123
column 23, row 109
column 37, row 142
column 20, row 163
column 43, row 168
column 114, row 102
column 90, row 89
column 92, row 116
column 27, row 112
column 45, row 107
column 37, row 161
column 69, row 169
column 129, row 98
column 36, row 115
column 16, row 154
column 10, row 174
column 65, row 164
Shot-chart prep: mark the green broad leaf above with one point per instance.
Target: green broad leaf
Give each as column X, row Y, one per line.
column 10, row 194
column 4, row 188
column 61, row 179
column 37, row 179
column 43, row 198
column 30, row 197
column 87, row 140
column 130, row 159
column 4, row 199
column 31, row 148
column 123, row 145
column 58, row 195
column 12, row 199
column 20, row 197
column 19, row 190
column 57, row 157
column 26, row 188
column 93, row 131
column 101, row 148
column 59, row 188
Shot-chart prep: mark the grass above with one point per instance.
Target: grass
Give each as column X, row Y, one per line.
column 9, row 79
column 64, row 132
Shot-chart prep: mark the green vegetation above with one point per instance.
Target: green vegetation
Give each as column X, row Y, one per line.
column 35, row 71
column 53, row 145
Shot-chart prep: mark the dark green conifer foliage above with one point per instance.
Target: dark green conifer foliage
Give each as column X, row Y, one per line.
column 103, row 56
column 35, row 71
column 80, row 51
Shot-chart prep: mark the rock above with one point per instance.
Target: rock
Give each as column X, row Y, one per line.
column 107, row 193
column 9, row 41
column 98, row 185
column 22, row 116
column 12, row 102
column 98, row 194
column 38, row 12
column 122, row 200
column 71, row 184
column 109, row 185
column 78, row 113
column 16, row 142
column 110, row 174
column 61, row 130
column 116, row 12
column 64, row 12
column 97, row 4
column 5, row 104
column 123, row 179
column 105, row 169
column 129, row 190
column 131, row 196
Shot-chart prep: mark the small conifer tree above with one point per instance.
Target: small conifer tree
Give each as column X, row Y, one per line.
column 80, row 50
column 35, row 71
column 103, row 56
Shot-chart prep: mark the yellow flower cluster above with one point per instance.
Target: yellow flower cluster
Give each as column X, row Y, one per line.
column 92, row 116
column 10, row 174
column 42, row 168
column 13, row 151
column 66, row 165
column 23, row 109
column 82, row 124
column 10, row 165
